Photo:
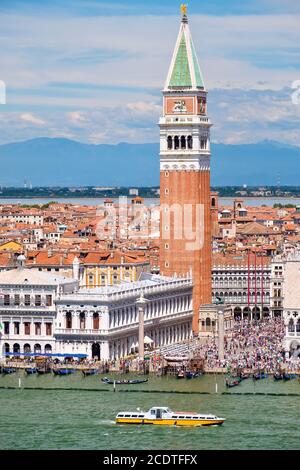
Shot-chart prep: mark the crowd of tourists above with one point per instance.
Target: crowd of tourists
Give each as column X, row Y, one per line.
column 253, row 345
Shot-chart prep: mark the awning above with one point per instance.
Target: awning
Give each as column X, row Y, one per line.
column 148, row 340
column 80, row 356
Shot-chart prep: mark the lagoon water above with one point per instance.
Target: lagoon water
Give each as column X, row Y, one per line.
column 78, row 413
column 227, row 201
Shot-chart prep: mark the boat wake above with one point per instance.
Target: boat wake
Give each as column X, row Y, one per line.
column 107, row 422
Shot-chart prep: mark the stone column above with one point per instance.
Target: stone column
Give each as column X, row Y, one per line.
column 221, row 332
column 104, row 351
column 141, row 304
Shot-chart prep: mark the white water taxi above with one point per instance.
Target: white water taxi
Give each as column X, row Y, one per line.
column 165, row 416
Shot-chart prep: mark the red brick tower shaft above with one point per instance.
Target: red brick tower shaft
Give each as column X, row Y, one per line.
column 185, row 228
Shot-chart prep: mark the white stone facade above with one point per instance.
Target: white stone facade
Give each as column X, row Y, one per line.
column 103, row 322
column 291, row 302
column 44, row 313
column 28, row 310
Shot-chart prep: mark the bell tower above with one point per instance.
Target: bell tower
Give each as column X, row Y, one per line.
column 185, row 228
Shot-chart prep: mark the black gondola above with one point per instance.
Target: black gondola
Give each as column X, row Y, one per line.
column 31, row 370
column 289, row 376
column 232, row 383
column 8, row 370
column 44, row 370
column 123, row 382
column 260, row 375
column 87, row 372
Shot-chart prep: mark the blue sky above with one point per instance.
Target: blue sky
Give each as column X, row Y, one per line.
column 92, row 70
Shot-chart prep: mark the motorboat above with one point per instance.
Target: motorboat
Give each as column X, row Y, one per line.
column 165, row 416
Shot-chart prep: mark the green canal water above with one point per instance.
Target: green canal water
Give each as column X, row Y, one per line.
column 78, row 413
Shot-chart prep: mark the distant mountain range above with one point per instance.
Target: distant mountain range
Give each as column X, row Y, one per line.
column 63, row 162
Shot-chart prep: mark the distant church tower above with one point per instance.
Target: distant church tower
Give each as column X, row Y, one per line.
column 185, row 172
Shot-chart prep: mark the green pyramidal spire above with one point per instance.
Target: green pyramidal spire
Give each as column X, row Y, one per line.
column 184, row 71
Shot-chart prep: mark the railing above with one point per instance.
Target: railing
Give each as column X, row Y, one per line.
column 78, row 331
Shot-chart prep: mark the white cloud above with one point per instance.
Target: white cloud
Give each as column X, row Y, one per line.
column 31, row 119
column 98, row 79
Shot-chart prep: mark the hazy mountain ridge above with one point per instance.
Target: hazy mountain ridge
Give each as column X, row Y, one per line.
column 58, row 161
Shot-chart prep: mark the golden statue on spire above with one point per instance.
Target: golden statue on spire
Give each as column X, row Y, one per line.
column 183, row 8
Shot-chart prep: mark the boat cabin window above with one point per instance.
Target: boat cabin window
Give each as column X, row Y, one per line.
column 153, row 412
column 141, row 416
column 134, row 416
column 127, row 416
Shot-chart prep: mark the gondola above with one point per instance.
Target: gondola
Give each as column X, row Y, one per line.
column 278, row 376
column 87, row 372
column 63, row 371
column 192, row 375
column 244, row 376
column 8, row 370
column 44, row 370
column 31, row 370
column 288, row 376
column 232, row 383
column 123, row 382
column 180, row 374
column 260, row 375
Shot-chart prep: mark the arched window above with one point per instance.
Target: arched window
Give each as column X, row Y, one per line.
column 96, row 321
column 190, row 142
column 37, row 349
column 68, row 320
column 291, row 326
column 82, row 320
column 207, row 321
column 48, row 349
column 176, row 142
column 16, row 348
column 170, row 143
column 183, row 142
column 27, row 348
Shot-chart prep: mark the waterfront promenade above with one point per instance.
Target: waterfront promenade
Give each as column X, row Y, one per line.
column 250, row 346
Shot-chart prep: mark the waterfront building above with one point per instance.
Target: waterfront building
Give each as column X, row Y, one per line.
column 185, row 171
column 28, row 309
column 103, row 322
column 243, row 282
column 289, row 272
column 47, row 313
